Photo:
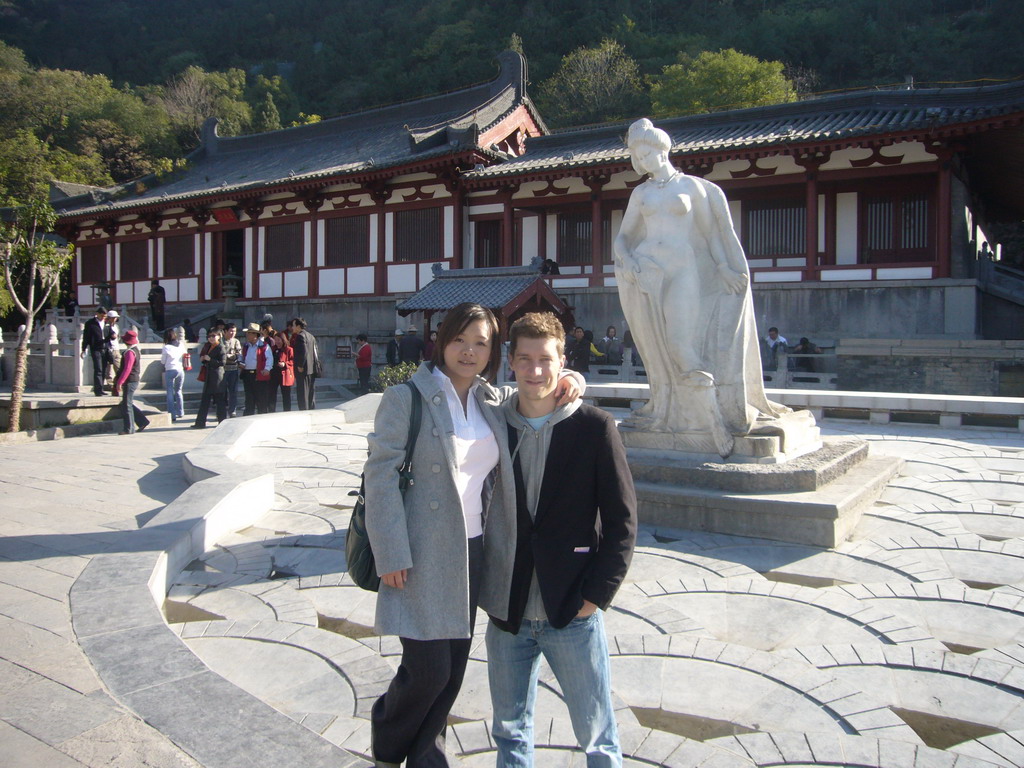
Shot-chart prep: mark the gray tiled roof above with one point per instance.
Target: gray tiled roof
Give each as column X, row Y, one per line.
column 491, row 287
column 364, row 141
column 834, row 118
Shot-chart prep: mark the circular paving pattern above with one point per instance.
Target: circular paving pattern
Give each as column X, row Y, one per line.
column 902, row 647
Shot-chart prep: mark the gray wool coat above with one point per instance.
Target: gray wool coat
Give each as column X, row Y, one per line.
column 426, row 531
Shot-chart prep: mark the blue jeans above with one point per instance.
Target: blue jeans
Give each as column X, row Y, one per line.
column 173, row 381
column 578, row 655
column 231, row 389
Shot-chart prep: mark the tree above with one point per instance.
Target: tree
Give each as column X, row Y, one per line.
column 196, row 95
column 267, row 118
column 727, row 79
column 593, row 85
column 32, row 263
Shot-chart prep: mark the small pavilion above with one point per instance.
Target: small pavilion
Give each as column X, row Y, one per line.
column 509, row 292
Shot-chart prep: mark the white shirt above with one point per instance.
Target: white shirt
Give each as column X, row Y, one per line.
column 171, row 356
column 476, row 452
column 772, row 343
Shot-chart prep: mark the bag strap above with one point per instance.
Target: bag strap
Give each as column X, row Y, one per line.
column 405, row 473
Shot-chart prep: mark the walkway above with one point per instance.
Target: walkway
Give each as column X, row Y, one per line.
column 901, row 648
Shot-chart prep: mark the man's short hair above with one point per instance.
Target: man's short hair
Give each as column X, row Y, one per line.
column 537, row 325
column 230, row 326
column 299, row 322
column 773, row 328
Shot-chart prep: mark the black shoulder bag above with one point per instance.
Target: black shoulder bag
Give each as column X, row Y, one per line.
column 358, row 555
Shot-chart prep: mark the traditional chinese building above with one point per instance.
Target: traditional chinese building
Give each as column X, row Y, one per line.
column 861, row 214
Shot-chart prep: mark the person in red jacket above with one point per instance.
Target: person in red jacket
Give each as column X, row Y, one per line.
column 364, row 361
column 286, row 366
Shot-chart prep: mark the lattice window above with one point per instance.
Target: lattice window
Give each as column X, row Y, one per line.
column 93, row 259
column 774, row 228
column 283, row 244
column 418, row 235
column 574, row 238
column 488, row 243
column 895, row 228
column 179, row 256
column 135, row 260
column 347, row 241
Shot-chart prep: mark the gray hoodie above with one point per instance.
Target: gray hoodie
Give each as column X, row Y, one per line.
column 532, row 449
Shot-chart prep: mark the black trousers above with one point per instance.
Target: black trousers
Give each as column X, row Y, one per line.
column 408, row 722
column 249, row 386
column 97, row 370
column 364, row 379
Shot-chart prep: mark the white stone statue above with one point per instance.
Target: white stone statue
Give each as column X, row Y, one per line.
column 684, row 285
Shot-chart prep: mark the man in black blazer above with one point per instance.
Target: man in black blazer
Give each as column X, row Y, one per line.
column 93, row 343
column 576, row 528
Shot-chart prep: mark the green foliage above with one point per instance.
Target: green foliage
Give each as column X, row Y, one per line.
column 593, row 85
column 267, row 118
column 391, row 375
column 727, row 79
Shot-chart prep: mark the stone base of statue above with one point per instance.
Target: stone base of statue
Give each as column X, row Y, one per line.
column 814, row 498
column 771, row 441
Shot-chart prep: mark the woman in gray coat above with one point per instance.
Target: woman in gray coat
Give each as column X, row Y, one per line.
column 429, row 545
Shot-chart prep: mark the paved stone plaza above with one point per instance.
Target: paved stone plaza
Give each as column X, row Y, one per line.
column 903, row 647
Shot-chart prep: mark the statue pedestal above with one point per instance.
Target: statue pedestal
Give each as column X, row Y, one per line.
column 772, row 441
column 816, row 498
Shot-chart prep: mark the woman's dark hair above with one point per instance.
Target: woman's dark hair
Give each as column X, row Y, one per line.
column 170, row 337
column 360, row 337
column 456, row 322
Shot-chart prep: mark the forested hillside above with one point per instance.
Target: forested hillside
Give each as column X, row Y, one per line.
column 98, row 91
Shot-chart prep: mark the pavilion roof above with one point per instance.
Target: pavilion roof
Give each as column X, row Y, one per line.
column 395, row 135
column 502, row 289
column 837, row 120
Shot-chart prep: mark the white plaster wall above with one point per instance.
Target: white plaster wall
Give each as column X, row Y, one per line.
column 401, row 278
column 207, row 272
column 332, row 282
column 475, row 210
column 846, row 274
column 448, row 222
column 188, row 289
column 373, row 238
column 904, row 273
column 389, row 237
column 307, row 244
column 296, row 283
column 262, row 241
column 360, row 280
column 531, row 233
column 777, row 277
column 846, row 228
column 250, row 280
column 321, row 228
column 271, row 285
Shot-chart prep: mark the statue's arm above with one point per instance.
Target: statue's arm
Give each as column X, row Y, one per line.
column 630, row 231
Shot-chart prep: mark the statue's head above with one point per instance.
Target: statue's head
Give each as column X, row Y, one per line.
column 642, row 133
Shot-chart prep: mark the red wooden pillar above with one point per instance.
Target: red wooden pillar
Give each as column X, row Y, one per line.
column 253, row 210
column 380, row 274
column 596, row 233
column 811, row 270
column 458, row 211
column 943, row 218
column 508, row 223
column 313, row 202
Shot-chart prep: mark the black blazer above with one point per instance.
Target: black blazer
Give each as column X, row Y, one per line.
column 581, row 542
column 92, row 335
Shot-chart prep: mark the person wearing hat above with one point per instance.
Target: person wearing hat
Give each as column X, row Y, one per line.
column 111, row 350
column 126, row 382
column 410, row 348
column 93, row 343
column 255, row 365
column 392, row 354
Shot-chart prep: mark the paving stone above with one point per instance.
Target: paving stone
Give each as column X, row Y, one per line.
column 20, row 750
